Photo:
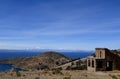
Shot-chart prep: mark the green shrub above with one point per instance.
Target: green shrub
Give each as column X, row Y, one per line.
column 56, row 71
column 118, row 75
column 67, row 78
column 11, row 74
column 114, row 77
column 68, row 68
column 18, row 74
column 24, row 75
column 37, row 78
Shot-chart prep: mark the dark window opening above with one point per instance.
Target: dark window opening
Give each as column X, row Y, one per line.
column 88, row 62
column 99, row 64
column 92, row 63
column 100, row 54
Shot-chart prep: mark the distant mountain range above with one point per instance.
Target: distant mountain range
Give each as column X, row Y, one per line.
column 42, row 50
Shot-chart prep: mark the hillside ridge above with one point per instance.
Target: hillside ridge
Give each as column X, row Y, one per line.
column 45, row 60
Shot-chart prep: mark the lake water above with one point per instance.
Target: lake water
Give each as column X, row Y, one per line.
column 6, row 55
column 5, row 67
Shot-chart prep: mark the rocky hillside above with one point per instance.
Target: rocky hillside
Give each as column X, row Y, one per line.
column 42, row 61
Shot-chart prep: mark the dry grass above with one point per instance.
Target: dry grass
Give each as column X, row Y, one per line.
column 44, row 74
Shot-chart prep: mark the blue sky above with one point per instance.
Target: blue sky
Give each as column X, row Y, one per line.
column 59, row 24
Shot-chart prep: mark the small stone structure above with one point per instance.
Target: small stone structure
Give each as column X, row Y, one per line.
column 104, row 60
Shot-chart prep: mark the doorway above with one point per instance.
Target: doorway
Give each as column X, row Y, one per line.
column 109, row 66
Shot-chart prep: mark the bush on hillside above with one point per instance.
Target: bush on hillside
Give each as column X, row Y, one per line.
column 66, row 77
column 18, row 74
column 56, row 70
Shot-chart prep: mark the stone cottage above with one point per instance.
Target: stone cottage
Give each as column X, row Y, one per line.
column 104, row 60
